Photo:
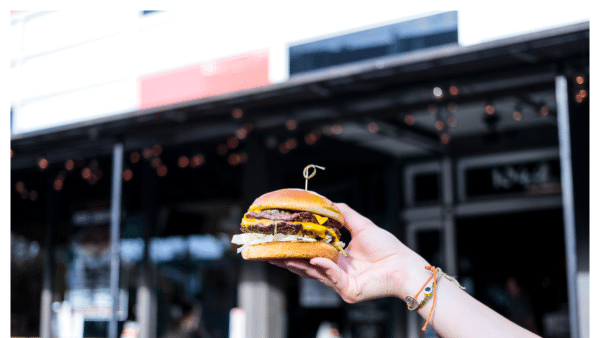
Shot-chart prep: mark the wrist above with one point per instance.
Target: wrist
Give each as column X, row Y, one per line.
column 410, row 276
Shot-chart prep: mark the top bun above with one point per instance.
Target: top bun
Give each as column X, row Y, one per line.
column 299, row 200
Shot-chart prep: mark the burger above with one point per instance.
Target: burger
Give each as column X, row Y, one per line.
column 291, row 223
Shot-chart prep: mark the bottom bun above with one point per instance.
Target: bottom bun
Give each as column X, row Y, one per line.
column 281, row 250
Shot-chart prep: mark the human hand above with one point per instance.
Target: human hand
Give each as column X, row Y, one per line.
column 377, row 264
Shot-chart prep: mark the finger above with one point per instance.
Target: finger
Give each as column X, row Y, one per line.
column 306, row 269
column 281, row 263
column 277, row 262
column 299, row 272
column 355, row 222
column 332, row 271
column 290, row 267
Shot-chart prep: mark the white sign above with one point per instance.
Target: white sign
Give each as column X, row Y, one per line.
column 237, row 323
column 508, row 176
column 96, row 304
column 315, row 294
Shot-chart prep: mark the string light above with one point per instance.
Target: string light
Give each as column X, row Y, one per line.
column 33, row 195
column 20, row 186
column 127, row 175
column 437, row 92
column 58, row 184
column 11, row 153
column 183, row 162
column 93, row 179
column 445, row 138
column 283, row 149
column 582, row 94
column 373, row 127
column 439, row 125
column 147, row 153
column 237, row 159
column 134, row 157
column 155, row 162
column 232, row 142
column 61, row 175
column 197, row 160
column 291, row 143
column 86, row 173
column 544, row 111
column 234, row 159
column 489, row 109
column 336, row 129
column 409, row 119
column 453, row 90
column 69, row 165
column 291, row 124
column 312, row 137
column 452, row 121
column 43, row 163
column 156, row 150
column 237, row 113
column 580, row 80
column 517, row 115
column 248, row 126
column 162, row 170
column 241, row 133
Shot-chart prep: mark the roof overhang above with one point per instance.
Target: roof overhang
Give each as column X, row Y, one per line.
column 522, row 68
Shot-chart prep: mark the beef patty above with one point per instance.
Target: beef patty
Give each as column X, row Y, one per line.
column 285, row 221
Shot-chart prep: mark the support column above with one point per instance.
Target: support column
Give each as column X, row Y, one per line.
column 566, row 180
column 448, row 224
column 115, row 236
column 48, row 277
column 146, row 305
column 263, row 300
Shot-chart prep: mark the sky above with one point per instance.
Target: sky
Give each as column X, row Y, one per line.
column 287, row 20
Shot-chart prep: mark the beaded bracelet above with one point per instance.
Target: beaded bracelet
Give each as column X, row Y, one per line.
column 411, row 302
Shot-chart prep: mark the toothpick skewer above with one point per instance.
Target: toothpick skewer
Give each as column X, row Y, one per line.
column 308, row 175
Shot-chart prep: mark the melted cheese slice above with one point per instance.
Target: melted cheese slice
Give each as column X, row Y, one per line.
column 254, row 209
column 318, row 229
column 320, row 219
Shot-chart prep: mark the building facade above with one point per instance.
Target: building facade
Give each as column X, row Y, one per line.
column 465, row 153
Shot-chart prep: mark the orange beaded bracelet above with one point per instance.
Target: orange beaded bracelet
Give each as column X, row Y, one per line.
column 411, row 302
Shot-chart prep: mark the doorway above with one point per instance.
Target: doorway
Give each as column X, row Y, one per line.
column 515, row 263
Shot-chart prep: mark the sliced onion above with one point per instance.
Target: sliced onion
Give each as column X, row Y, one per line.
column 247, row 239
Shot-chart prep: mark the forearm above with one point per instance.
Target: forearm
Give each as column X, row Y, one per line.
column 456, row 313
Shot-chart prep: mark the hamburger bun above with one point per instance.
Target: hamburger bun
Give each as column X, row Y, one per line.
column 291, row 223
column 299, row 200
column 282, row 250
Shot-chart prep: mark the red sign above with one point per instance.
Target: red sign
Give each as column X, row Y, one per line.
column 206, row 79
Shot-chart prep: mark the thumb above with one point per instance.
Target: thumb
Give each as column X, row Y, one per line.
column 355, row 222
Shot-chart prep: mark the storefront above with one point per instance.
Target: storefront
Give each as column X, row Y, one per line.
column 464, row 153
